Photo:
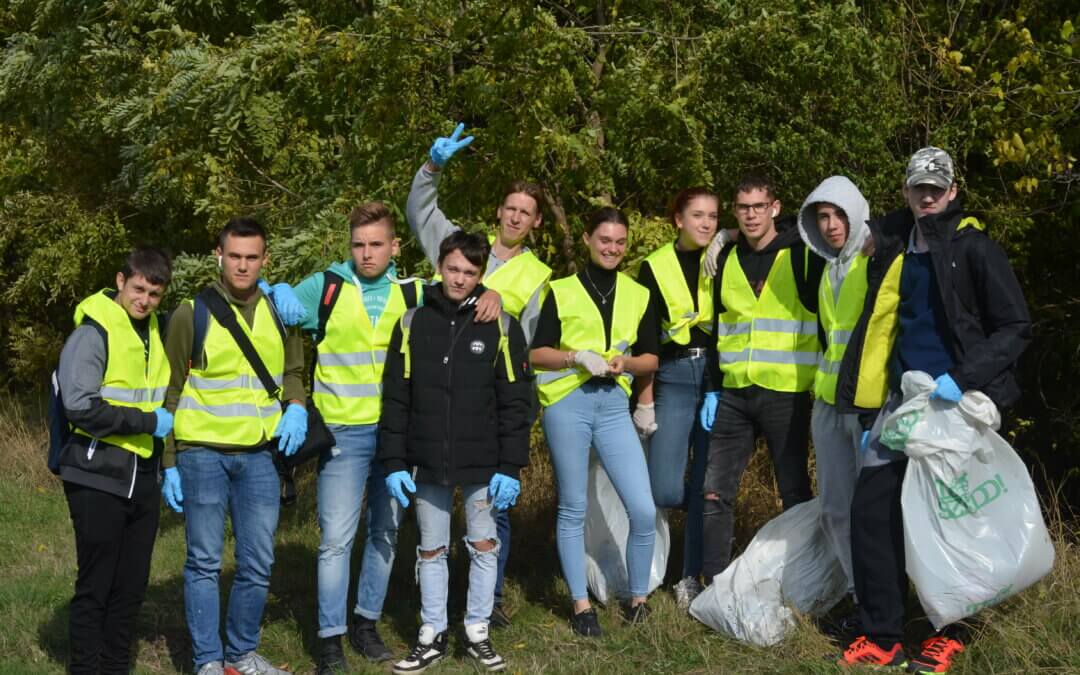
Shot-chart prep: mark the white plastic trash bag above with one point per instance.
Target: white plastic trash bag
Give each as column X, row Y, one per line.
column 789, row 563
column 606, row 529
column 973, row 531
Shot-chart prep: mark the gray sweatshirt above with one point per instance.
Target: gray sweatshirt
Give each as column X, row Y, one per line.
column 840, row 191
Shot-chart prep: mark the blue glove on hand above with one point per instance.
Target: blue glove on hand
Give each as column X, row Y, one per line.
column 288, row 306
column 174, row 496
column 864, row 441
column 292, row 428
column 164, row 422
column 947, row 389
column 444, row 147
column 504, row 491
column 708, row 409
column 397, row 483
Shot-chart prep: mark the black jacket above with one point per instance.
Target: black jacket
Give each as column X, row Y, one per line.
column 461, row 416
column 989, row 326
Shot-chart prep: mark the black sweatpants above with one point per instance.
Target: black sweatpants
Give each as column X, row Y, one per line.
column 114, row 539
column 742, row 415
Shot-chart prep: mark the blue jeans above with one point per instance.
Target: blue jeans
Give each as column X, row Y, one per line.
column 597, row 414
column 344, row 472
column 502, row 525
column 244, row 485
column 679, row 389
column 433, row 504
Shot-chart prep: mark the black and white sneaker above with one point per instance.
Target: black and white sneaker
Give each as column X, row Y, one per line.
column 479, row 648
column 429, row 650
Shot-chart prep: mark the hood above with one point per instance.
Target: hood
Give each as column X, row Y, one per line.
column 346, row 271
column 841, row 191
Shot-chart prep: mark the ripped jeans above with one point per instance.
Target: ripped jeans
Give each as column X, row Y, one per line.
column 433, row 504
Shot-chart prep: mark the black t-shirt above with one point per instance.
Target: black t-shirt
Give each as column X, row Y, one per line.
column 600, row 285
column 690, row 264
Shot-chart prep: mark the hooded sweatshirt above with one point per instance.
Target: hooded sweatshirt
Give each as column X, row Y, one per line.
column 840, row 191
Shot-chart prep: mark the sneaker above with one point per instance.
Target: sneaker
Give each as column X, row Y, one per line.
column 635, row 614
column 935, row 655
column 211, row 668
column 364, row 638
column 252, row 664
column 863, row 652
column 479, row 648
column 686, row 590
column 332, row 657
column 499, row 618
column 429, row 650
column 586, row 623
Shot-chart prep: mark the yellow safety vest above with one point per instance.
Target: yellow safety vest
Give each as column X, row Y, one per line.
column 224, row 403
column 682, row 316
column 838, row 315
column 351, row 355
column 768, row 340
column 131, row 379
column 583, row 329
column 517, row 279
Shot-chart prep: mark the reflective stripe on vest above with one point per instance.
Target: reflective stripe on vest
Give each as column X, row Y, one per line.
column 224, row 403
column 838, row 313
column 583, row 329
column 768, row 340
column 131, row 379
column 350, row 358
column 682, row 316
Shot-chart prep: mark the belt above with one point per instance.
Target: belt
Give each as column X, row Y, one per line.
column 691, row 352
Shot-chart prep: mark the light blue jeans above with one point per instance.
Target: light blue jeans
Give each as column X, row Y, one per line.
column 344, row 473
column 244, row 486
column 597, row 414
column 433, row 505
column 679, row 389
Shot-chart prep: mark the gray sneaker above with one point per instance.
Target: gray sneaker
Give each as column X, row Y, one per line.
column 212, row 668
column 254, row 664
column 686, row 590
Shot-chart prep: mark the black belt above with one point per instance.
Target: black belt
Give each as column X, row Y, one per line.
column 689, row 353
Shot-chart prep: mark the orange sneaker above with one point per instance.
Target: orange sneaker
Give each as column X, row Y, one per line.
column 935, row 655
column 863, row 652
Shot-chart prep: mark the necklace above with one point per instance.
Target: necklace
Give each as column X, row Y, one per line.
column 603, row 296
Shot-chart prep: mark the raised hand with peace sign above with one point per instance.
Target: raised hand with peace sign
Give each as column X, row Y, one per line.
column 444, row 147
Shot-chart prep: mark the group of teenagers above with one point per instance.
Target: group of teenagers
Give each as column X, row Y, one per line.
column 786, row 328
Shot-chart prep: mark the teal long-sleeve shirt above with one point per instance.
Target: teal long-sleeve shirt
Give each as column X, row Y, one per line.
column 375, row 292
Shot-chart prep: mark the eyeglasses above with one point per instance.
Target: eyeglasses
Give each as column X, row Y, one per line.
column 757, row 208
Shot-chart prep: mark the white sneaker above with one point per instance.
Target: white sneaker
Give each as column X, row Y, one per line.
column 686, row 590
column 254, row 664
column 212, row 668
column 479, row 647
column 429, row 650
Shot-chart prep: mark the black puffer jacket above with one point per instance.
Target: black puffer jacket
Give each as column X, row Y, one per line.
column 989, row 326
column 463, row 414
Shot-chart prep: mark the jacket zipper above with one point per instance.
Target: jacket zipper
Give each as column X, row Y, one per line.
column 449, row 401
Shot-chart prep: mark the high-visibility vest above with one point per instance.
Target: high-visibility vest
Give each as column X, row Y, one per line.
column 682, row 316
column 583, row 329
column 224, row 403
column 517, row 279
column 351, row 355
column 838, row 315
column 132, row 378
column 768, row 340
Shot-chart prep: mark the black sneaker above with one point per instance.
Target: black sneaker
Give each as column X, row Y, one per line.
column 499, row 618
column 332, row 657
column 586, row 623
column 479, row 648
column 635, row 614
column 429, row 650
column 365, row 639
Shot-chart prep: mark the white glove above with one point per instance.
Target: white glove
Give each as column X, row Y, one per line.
column 592, row 362
column 713, row 252
column 645, row 419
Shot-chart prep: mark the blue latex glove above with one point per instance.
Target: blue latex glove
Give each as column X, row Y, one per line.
column 504, row 491
column 708, row 409
column 397, row 483
column 947, row 389
column 444, row 147
column 174, row 496
column 164, row 422
column 292, row 428
column 864, row 442
column 288, row 306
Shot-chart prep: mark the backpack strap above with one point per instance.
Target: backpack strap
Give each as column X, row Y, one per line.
column 331, row 290
column 410, row 289
column 200, row 323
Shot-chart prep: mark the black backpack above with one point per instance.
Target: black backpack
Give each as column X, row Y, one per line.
column 60, row 428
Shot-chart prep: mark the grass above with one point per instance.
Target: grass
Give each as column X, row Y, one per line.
column 1034, row 632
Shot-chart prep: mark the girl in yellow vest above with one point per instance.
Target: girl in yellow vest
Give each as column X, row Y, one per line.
column 596, row 332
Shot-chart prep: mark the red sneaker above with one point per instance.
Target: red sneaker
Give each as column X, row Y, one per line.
column 935, row 655
column 863, row 652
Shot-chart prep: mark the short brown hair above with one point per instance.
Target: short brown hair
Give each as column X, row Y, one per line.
column 527, row 188
column 371, row 212
column 756, row 181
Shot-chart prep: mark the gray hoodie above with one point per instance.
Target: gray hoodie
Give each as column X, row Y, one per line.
column 838, row 190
